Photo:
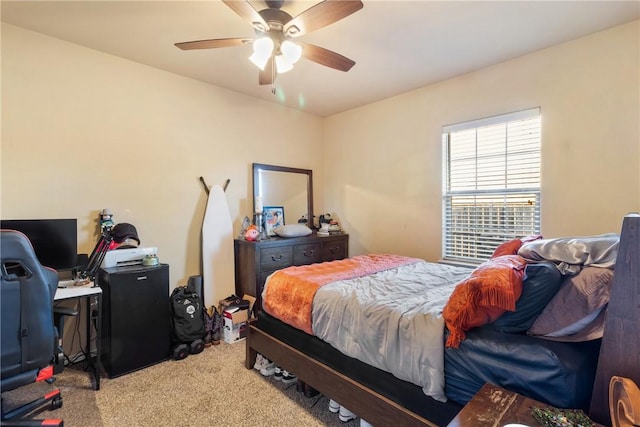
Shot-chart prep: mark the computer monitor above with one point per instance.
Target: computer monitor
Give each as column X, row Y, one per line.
column 55, row 241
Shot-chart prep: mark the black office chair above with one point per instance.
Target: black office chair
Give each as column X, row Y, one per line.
column 29, row 337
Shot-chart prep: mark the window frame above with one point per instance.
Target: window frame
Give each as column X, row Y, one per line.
column 523, row 214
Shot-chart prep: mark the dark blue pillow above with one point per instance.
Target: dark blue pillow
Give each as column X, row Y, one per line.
column 541, row 283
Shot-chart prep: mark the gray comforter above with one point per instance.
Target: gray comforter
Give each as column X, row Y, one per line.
column 391, row 320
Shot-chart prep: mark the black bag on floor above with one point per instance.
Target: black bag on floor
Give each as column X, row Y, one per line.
column 186, row 315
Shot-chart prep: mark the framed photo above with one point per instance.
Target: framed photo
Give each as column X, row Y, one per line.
column 273, row 217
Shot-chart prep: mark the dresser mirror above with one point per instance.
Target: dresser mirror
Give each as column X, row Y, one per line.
column 280, row 186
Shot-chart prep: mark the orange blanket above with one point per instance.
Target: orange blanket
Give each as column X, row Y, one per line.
column 289, row 293
column 491, row 289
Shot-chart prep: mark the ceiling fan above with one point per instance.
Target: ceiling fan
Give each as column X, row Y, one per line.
column 274, row 49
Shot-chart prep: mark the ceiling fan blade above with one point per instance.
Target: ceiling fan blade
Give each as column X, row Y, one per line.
column 212, row 44
column 268, row 75
column 326, row 57
column 321, row 15
column 247, row 12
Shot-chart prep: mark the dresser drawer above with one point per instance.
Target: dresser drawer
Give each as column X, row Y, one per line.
column 307, row 254
column 275, row 258
column 334, row 250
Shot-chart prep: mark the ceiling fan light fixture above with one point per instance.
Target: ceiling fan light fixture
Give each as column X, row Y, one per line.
column 282, row 64
column 292, row 31
column 291, row 51
column 262, row 50
column 259, row 27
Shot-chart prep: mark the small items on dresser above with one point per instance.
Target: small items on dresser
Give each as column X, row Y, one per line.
column 246, row 222
column 328, row 226
column 252, row 233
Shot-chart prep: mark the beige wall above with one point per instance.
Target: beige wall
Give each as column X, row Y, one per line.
column 588, row 90
column 82, row 131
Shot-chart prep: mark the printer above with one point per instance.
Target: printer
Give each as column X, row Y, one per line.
column 127, row 257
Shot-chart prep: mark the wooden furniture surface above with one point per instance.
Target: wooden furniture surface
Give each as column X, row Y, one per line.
column 620, row 350
column 495, row 406
column 255, row 261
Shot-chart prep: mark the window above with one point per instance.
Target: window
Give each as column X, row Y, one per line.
column 491, row 184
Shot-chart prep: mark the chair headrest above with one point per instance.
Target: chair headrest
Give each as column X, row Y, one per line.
column 16, row 247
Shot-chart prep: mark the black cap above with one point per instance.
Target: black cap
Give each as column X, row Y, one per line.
column 123, row 231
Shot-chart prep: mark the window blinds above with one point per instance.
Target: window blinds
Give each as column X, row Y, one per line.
column 492, row 184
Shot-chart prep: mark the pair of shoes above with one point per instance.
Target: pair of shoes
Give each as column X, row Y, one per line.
column 216, row 331
column 268, row 368
column 208, row 327
column 310, row 391
column 288, row 377
column 213, row 326
column 259, row 362
column 343, row 413
column 346, row 415
column 277, row 373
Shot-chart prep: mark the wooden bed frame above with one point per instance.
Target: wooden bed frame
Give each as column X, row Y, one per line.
column 618, row 354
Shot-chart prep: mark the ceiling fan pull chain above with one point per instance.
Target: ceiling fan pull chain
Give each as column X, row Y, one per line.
column 273, row 77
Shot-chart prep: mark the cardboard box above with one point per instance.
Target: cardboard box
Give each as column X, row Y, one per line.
column 235, row 324
column 251, row 300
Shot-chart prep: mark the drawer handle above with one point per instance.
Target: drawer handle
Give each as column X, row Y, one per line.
column 141, row 278
column 308, row 254
column 273, row 258
column 334, row 250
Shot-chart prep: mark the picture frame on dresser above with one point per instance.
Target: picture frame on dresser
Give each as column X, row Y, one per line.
column 273, row 217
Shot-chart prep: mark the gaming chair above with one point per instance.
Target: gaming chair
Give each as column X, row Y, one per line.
column 28, row 335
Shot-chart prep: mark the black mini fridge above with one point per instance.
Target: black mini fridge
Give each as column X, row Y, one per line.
column 135, row 317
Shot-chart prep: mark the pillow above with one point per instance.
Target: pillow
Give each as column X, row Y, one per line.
column 570, row 312
column 512, row 246
column 572, row 253
column 540, row 284
column 507, row 248
column 491, row 289
column 292, row 230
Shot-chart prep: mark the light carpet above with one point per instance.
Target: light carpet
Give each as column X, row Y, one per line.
column 212, row 388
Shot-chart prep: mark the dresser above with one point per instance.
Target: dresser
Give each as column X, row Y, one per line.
column 255, row 261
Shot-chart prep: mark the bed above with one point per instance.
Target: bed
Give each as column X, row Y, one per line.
column 379, row 387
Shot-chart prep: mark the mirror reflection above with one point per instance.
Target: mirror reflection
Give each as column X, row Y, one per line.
column 283, row 187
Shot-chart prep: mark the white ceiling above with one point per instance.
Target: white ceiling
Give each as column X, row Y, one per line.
column 397, row 45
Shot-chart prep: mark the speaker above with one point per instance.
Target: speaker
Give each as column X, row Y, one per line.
column 195, row 284
column 81, row 262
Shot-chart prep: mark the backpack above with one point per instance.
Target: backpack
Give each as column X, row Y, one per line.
column 187, row 317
